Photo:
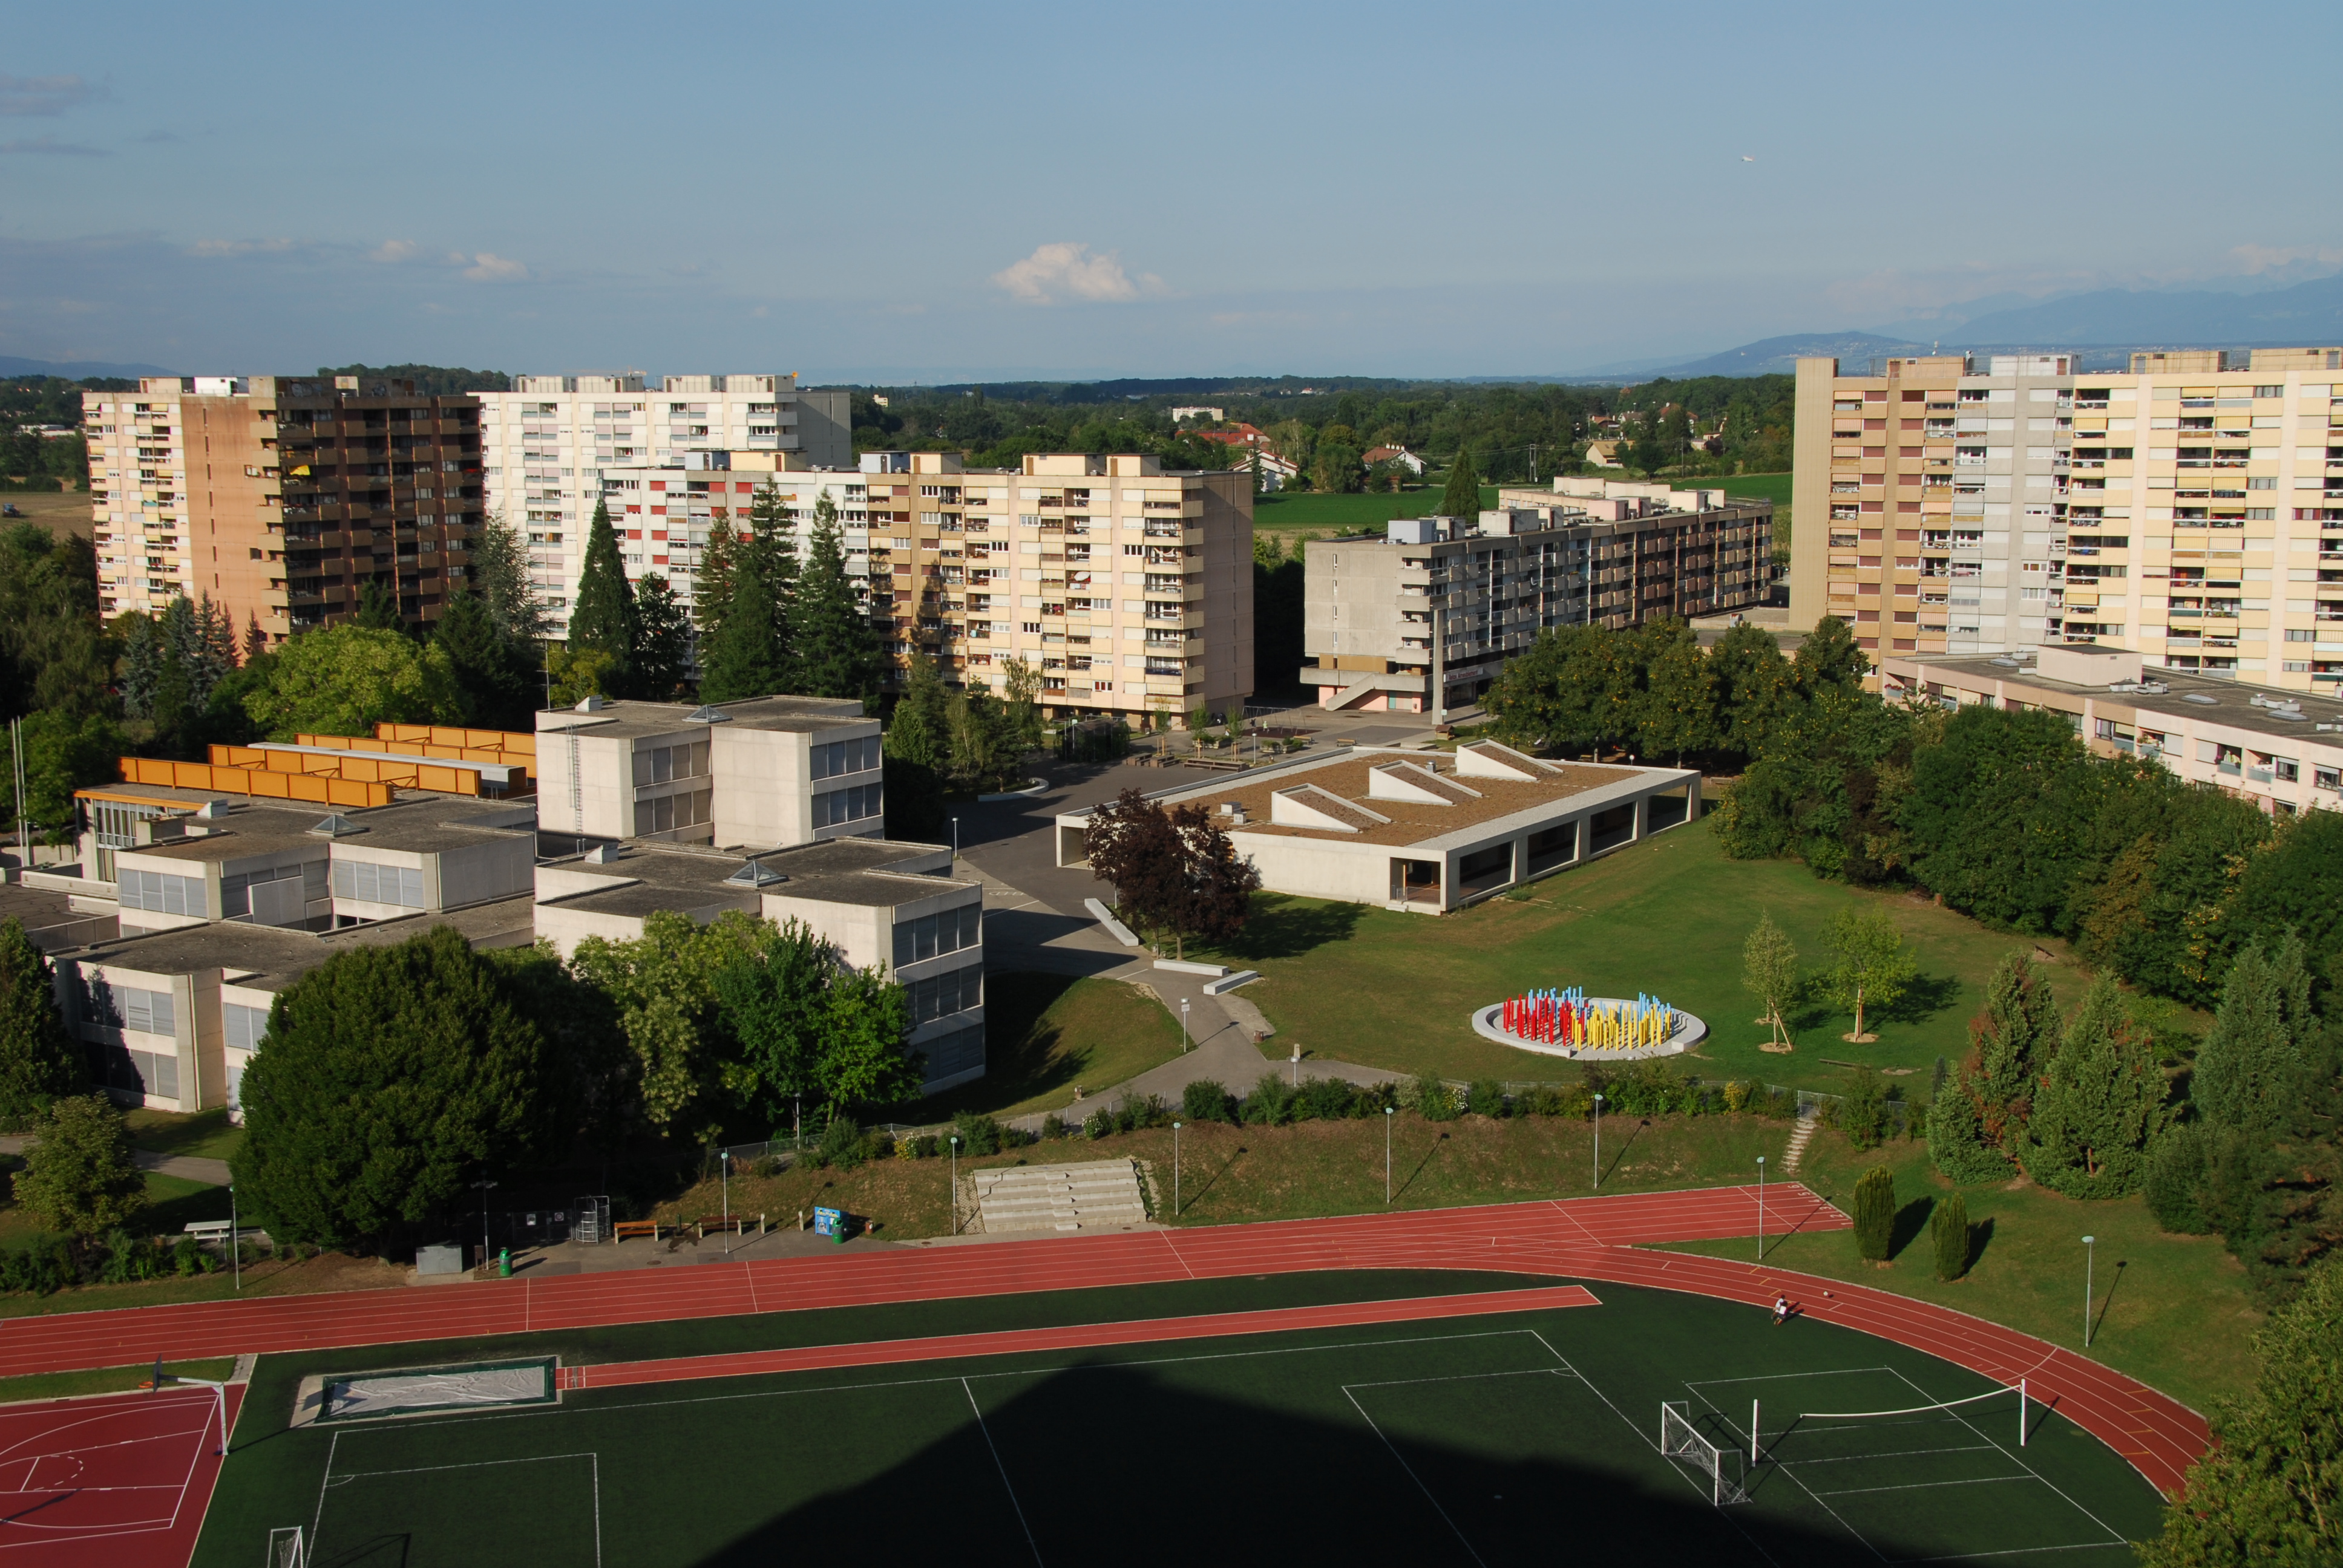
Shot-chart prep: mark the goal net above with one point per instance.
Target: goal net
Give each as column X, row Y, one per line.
column 1682, row 1442
column 285, row 1548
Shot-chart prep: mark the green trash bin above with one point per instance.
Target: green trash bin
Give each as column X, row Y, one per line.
column 503, row 1262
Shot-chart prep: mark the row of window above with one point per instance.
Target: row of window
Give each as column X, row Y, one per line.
column 947, row 932
column 659, row 764
column 150, row 1072
column 243, row 1026
column 954, row 991
column 128, row 1006
column 366, row 882
column 851, row 804
column 858, row 756
column 669, row 812
column 162, row 894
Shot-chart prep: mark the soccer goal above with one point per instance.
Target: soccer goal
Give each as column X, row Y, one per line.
column 285, row 1548
column 1682, row 1442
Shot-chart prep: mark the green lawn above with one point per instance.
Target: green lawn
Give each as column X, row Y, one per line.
column 1668, row 915
column 171, row 1202
column 1047, row 1036
column 2174, row 1311
column 1326, row 514
column 107, row 1380
column 205, row 1134
column 1447, row 1442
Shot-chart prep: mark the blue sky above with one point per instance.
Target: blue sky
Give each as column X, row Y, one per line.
column 939, row 192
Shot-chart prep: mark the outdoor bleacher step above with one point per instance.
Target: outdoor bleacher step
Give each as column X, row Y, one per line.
column 1062, row 1197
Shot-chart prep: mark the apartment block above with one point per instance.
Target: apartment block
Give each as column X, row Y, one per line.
column 1130, row 589
column 549, row 441
column 1424, row 617
column 281, row 496
column 2181, row 508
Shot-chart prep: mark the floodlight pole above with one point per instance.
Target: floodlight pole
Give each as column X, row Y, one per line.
column 955, row 1184
column 725, row 1156
column 1761, row 1214
column 1752, row 1434
column 1598, row 1140
column 2090, row 1252
column 955, row 840
column 484, row 1184
column 1175, row 1170
column 1183, row 1026
column 1386, row 1157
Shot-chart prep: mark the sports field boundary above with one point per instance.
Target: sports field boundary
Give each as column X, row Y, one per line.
column 1595, row 1238
column 1079, row 1336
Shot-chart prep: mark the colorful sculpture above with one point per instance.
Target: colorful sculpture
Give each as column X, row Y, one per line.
column 1565, row 1017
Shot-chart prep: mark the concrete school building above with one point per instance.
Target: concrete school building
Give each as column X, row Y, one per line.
column 1424, row 617
column 2189, row 509
column 1424, row 831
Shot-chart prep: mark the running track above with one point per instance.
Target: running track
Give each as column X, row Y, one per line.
column 1582, row 1238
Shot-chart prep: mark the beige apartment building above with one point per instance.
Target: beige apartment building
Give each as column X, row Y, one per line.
column 2182, row 510
column 281, row 496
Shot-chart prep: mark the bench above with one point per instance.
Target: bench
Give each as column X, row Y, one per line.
column 625, row 1228
column 736, row 1223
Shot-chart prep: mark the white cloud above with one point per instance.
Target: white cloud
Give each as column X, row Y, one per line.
column 489, row 267
column 216, row 247
column 44, row 94
column 52, row 147
column 392, row 250
column 2255, row 260
column 1067, row 271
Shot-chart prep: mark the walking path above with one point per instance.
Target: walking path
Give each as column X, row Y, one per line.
column 1596, row 1237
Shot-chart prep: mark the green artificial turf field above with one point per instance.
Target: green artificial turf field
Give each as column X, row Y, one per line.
column 1491, row 1440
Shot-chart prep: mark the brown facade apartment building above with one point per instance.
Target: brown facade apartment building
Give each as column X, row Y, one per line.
column 281, row 496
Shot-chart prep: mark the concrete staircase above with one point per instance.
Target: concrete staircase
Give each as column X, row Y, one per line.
column 1800, row 1135
column 1097, row 1195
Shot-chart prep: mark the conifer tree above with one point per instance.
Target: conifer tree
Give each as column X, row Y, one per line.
column 495, row 676
column 499, row 575
column 743, row 659
column 1874, row 1213
column 918, row 749
column 838, row 648
column 603, row 620
column 663, row 641
column 771, row 551
column 1462, row 498
column 711, row 599
column 38, row 1061
column 378, row 611
column 1948, row 1224
column 2251, row 1062
column 2101, row 1103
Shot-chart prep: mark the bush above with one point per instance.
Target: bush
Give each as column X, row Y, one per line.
column 1330, row 1100
column 1948, row 1228
column 1432, row 1099
column 1862, row 1113
column 906, row 1149
column 1270, row 1104
column 1053, row 1126
column 1096, row 1124
column 1205, row 1100
column 978, row 1134
column 1486, row 1097
column 1874, row 1213
column 842, row 1145
column 2176, row 1181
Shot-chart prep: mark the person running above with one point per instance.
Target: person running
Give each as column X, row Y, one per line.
column 1781, row 1310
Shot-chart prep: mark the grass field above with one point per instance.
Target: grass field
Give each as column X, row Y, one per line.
column 1668, row 915
column 59, row 511
column 1047, row 1036
column 205, row 1134
column 107, row 1380
column 1490, row 1439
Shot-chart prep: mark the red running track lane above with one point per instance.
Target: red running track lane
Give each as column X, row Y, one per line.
column 90, row 1482
column 1081, row 1336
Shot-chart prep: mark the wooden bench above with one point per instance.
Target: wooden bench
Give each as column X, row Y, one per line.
column 736, row 1223
column 626, row 1229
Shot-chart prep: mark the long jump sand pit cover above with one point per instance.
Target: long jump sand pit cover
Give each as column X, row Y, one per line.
column 427, row 1390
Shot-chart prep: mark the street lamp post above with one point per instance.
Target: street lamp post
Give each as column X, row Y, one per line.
column 1761, row 1211
column 725, row 1155
column 1598, row 1141
column 1183, row 1026
column 955, row 1184
column 2090, row 1254
column 235, row 1241
column 1386, row 1157
column 1175, row 1170
column 955, row 840
column 484, row 1184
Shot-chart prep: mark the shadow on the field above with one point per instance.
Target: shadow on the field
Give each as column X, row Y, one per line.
column 1910, row 1220
column 1383, row 1473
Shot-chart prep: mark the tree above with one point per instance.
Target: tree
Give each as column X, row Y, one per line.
column 808, row 1025
column 1171, row 870
column 719, row 563
column 1461, row 497
column 663, row 987
column 38, row 1061
column 770, row 552
column 1754, row 685
column 2297, row 885
column 838, row 648
column 377, row 610
column 1998, row 815
column 864, row 1059
column 1869, row 967
column 62, row 753
column 744, row 658
column 2101, row 1103
column 1948, row 1227
column 2270, row 1489
column 1216, row 896
column 663, row 647
column 1874, row 1213
column 78, row 1173
column 2249, row 1069
column 55, row 656
column 1678, row 699
column 603, row 619
column 1976, row 1129
column 1769, row 969
column 918, row 751
column 1830, row 658
column 499, row 575
column 344, row 680
column 392, row 1077
column 494, row 675
column 575, row 674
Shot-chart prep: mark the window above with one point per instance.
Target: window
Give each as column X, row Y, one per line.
column 661, row 764
column 954, row 991
column 669, row 812
column 368, row 883
column 852, row 804
column 164, row 895
column 838, row 757
column 128, row 1006
column 946, row 932
column 139, row 1072
column 244, row 1026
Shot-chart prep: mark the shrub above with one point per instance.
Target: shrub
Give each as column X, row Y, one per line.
column 1053, row 1126
column 1271, row 1102
column 1486, row 1097
column 1330, row 1100
column 1862, row 1114
column 2176, row 1181
column 842, row 1144
column 927, row 1146
column 906, row 1149
column 1432, row 1099
column 1874, row 1213
column 1737, row 1093
column 1949, row 1229
column 1205, row 1100
column 1096, row 1124
column 978, row 1134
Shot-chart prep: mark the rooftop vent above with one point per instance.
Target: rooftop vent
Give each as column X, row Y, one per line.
column 2006, row 662
column 2202, row 698
column 590, row 704
column 212, row 810
column 602, row 855
column 754, row 873
column 705, row 715
column 337, row 826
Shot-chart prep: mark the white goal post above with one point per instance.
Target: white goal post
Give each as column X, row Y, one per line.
column 285, row 1548
column 1682, row 1442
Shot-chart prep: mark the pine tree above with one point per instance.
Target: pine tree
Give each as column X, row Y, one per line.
column 2101, row 1103
column 711, row 599
column 771, row 549
column 2010, row 1044
column 141, row 664
column 255, row 642
column 838, row 648
column 743, row 659
column 1462, row 498
column 38, row 1061
column 378, row 611
column 2250, row 1066
column 1957, row 1145
column 918, row 751
column 499, row 575
column 1874, row 1213
column 1948, row 1227
column 493, row 673
column 603, row 620
column 663, row 654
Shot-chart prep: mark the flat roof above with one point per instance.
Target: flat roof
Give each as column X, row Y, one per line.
column 272, row 957
column 1411, row 822
column 629, row 719
column 867, row 871
column 2190, row 695
column 426, row 824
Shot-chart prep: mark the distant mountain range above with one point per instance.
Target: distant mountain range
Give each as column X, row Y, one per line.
column 2103, row 326
column 74, row 369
